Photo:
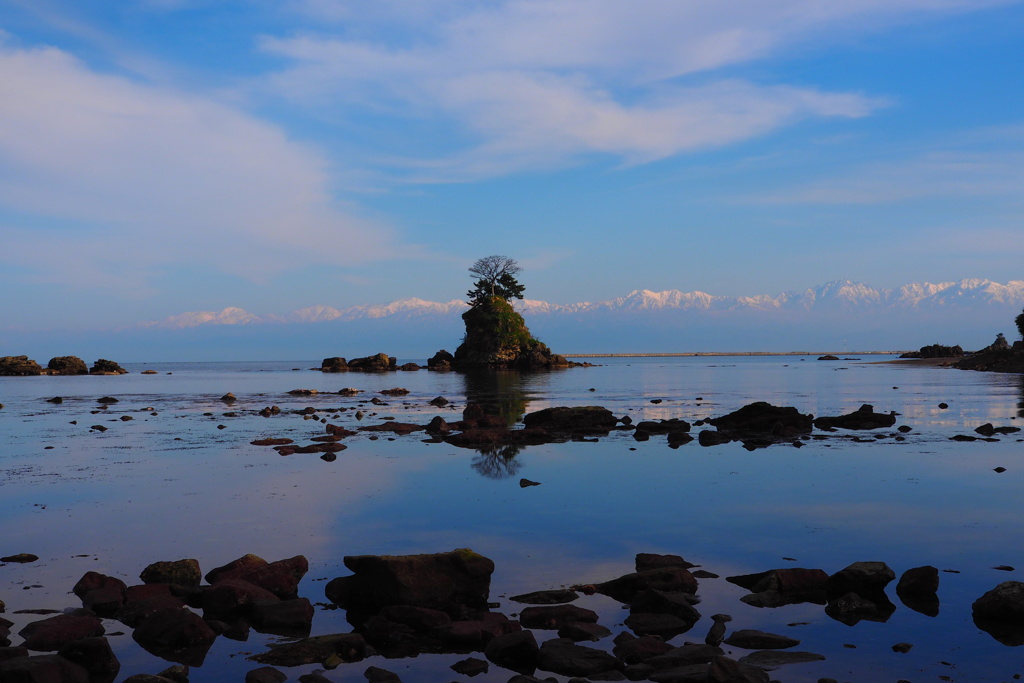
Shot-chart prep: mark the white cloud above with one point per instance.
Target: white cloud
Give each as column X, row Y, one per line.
column 139, row 177
column 539, row 83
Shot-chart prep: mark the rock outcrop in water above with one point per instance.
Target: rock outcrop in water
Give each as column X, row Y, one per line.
column 67, row 365
column 497, row 337
column 15, row 366
column 1006, row 359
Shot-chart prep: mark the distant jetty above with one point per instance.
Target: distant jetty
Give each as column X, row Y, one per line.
column 732, row 353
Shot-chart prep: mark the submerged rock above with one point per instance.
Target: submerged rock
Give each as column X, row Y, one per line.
column 347, row 647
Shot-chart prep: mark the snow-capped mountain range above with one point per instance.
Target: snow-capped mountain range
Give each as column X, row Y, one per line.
column 836, row 296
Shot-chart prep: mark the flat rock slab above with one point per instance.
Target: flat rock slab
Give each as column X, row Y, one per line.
column 773, row 659
column 549, row 597
column 749, row 639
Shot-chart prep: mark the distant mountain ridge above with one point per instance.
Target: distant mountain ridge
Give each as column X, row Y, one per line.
column 833, row 297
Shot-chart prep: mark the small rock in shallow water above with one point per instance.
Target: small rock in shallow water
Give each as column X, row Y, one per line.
column 902, row 648
column 21, row 558
column 1000, row 470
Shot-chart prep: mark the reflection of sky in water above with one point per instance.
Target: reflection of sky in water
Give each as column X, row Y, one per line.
column 135, row 494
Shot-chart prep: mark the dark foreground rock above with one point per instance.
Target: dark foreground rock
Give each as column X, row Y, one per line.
column 761, row 420
column 346, row 647
column 995, row 359
column 452, row 582
column 864, row 417
column 583, row 420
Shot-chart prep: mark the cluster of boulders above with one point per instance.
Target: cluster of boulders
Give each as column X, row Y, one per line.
column 756, row 425
column 995, row 358
column 380, row 362
column 936, row 351
column 402, row 606
column 60, row 365
column 246, row 593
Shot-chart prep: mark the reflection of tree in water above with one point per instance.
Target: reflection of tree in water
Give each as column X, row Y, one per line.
column 505, row 393
column 499, row 392
column 497, row 462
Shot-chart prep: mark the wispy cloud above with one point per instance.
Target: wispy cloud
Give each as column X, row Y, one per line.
column 140, row 177
column 537, row 84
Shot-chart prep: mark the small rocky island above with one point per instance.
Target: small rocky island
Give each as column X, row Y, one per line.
column 496, row 335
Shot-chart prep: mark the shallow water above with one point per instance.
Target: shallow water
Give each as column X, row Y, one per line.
column 173, row 485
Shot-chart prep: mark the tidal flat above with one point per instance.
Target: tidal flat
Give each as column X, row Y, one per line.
column 181, row 479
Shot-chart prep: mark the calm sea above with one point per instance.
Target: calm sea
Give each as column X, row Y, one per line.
column 180, row 479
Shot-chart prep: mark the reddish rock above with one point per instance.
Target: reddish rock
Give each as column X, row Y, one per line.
column 53, row 633
column 231, row 596
column 100, row 593
column 95, row 656
column 178, row 635
column 183, row 572
column 42, row 669
column 451, row 582
column 555, row 616
column 142, row 601
column 280, row 578
column 283, row 617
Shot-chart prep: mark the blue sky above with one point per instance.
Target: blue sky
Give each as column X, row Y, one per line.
column 162, row 156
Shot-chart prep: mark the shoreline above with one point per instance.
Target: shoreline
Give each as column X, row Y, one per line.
column 691, row 354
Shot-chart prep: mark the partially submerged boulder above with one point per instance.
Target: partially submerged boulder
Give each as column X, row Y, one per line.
column 762, row 419
column 182, row 572
column 19, row 366
column 452, row 582
column 864, row 417
column 380, row 362
column 106, row 367
column 573, row 420
column 334, row 364
column 67, row 365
